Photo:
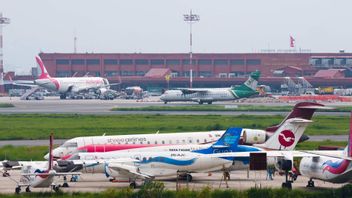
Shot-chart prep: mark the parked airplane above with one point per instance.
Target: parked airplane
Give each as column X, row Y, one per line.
column 39, row 174
column 160, row 161
column 303, row 110
column 68, row 86
column 330, row 168
column 211, row 95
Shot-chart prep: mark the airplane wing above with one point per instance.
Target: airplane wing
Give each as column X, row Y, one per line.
column 278, row 154
column 55, row 174
column 129, row 170
column 191, row 91
column 25, row 85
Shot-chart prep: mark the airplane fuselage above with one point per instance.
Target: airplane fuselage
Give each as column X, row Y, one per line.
column 211, row 95
column 72, row 84
column 327, row 169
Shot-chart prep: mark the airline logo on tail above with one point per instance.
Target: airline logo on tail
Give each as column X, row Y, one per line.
column 286, row 138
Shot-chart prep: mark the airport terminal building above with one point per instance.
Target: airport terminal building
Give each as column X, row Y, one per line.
column 209, row 69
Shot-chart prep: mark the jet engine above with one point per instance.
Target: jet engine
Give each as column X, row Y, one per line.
column 251, row 136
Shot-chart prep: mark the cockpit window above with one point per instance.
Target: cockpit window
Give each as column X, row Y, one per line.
column 70, row 144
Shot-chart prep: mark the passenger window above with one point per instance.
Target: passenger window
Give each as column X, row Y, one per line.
column 184, row 141
column 148, row 142
column 170, row 141
column 205, row 140
column 163, row 142
column 197, row 140
column 156, row 142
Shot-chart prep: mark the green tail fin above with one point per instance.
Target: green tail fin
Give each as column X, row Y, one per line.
column 249, row 87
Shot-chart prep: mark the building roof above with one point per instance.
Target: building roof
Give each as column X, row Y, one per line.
column 328, row 73
column 157, row 72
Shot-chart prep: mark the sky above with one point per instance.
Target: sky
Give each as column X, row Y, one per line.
column 157, row 26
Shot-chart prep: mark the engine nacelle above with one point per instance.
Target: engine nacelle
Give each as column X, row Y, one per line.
column 102, row 90
column 252, row 136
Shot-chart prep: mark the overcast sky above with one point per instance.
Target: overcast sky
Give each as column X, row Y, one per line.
column 157, row 26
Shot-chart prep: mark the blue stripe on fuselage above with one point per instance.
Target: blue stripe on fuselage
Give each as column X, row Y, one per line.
column 167, row 160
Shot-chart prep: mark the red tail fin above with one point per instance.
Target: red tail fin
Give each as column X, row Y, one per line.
column 304, row 110
column 44, row 73
column 51, row 151
column 349, row 150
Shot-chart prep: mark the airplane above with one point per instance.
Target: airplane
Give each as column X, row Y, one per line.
column 335, row 168
column 104, row 143
column 151, row 162
column 210, row 95
column 67, row 86
column 40, row 175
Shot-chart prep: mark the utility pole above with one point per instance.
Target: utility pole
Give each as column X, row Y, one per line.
column 191, row 19
column 3, row 21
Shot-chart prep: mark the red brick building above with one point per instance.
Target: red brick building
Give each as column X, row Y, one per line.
column 209, row 69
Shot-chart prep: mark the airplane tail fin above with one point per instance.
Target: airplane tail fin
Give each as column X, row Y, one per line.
column 44, row 73
column 349, row 146
column 248, row 88
column 228, row 142
column 287, row 135
column 304, row 110
column 51, row 158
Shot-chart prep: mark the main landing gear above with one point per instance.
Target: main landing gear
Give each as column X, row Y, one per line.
column 310, row 183
column 63, row 96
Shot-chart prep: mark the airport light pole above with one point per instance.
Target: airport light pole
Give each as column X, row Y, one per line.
column 191, row 19
column 3, row 21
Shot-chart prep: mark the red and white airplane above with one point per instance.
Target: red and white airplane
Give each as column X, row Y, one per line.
column 40, row 174
column 67, row 85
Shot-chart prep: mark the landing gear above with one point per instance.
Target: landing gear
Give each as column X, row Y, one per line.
column 165, row 102
column 310, row 183
column 18, row 190
column 65, row 184
column 6, row 174
column 210, row 102
column 133, row 185
column 63, row 96
column 200, row 102
column 28, row 190
column 56, row 188
column 189, row 177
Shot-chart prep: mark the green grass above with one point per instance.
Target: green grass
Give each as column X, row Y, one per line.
column 39, row 126
column 35, row 153
column 157, row 190
column 23, row 153
column 6, row 105
column 223, row 108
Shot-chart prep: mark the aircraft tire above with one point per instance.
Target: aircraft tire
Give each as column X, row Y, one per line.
column 56, row 189
column 28, row 190
column 189, row 177
column 210, row 102
column 165, row 102
column 200, row 102
column 65, row 185
column 62, row 96
column 133, row 185
column 17, row 190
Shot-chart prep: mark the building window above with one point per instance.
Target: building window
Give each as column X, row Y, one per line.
column 140, row 73
column 141, row 62
column 77, row 61
column 237, row 62
column 62, row 62
column 127, row 73
column 223, row 75
column 157, row 62
column 187, row 61
column 220, row 62
column 203, row 74
column 111, row 73
column 96, row 73
column 172, row 62
column 126, row 62
column 204, row 62
column 63, row 74
column 93, row 62
column 253, row 62
column 110, row 62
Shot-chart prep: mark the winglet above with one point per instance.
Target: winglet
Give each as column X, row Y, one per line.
column 44, row 73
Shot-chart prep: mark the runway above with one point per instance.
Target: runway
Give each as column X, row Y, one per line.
column 103, row 107
column 239, row 181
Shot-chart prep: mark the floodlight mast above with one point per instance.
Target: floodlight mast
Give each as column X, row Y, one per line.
column 191, row 19
column 3, row 21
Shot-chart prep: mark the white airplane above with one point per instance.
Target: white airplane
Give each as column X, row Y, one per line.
column 210, row 95
column 40, row 174
column 68, row 85
column 335, row 168
column 148, row 163
column 303, row 110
